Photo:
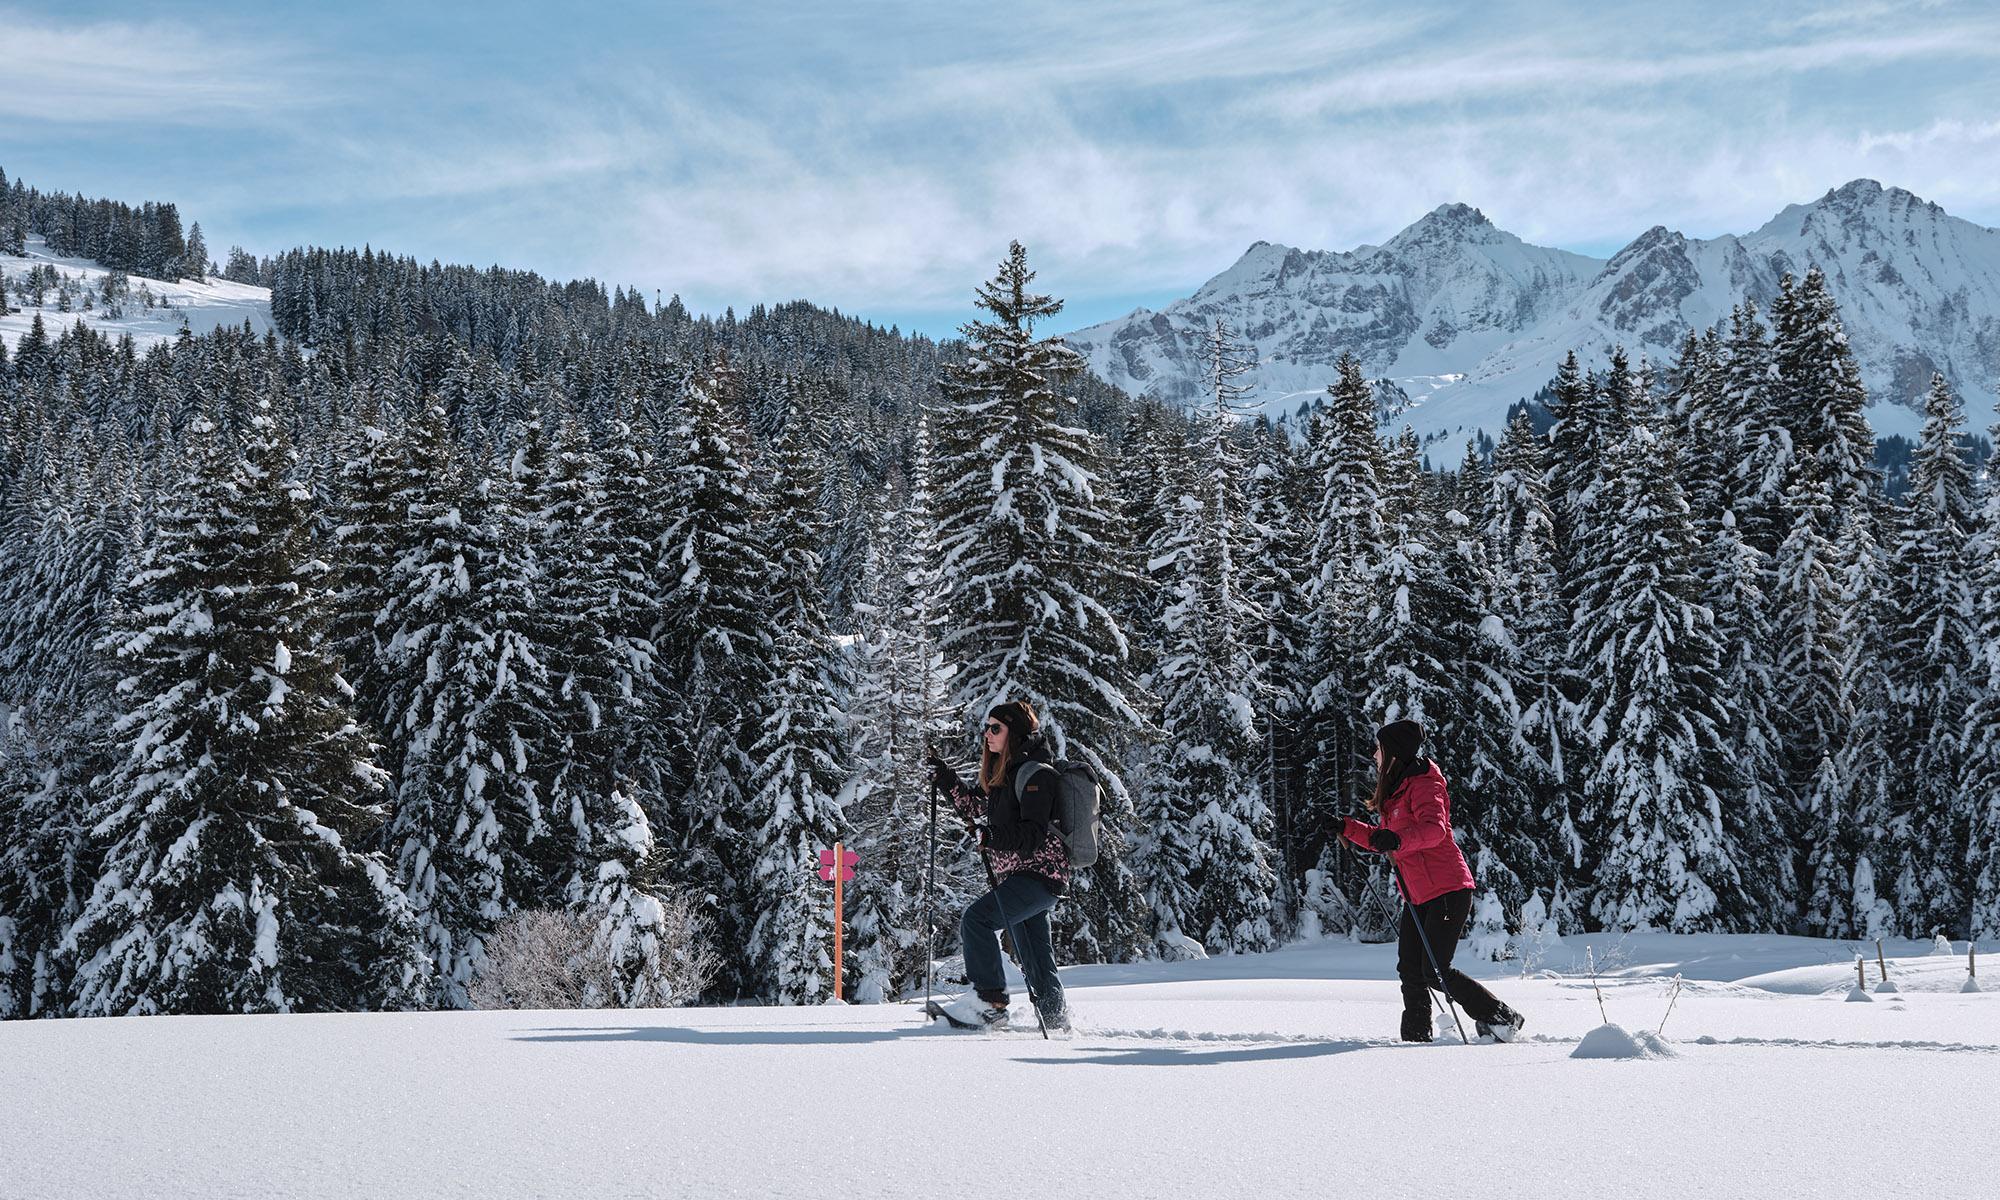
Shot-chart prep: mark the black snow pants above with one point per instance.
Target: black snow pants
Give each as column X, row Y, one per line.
column 1443, row 924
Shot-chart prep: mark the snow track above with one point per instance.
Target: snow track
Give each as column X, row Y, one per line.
column 1254, row 1076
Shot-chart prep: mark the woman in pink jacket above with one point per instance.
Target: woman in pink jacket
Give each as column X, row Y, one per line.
column 1413, row 827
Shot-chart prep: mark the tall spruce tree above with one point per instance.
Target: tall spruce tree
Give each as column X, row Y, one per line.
column 1821, row 392
column 1346, row 464
column 471, row 837
column 713, row 643
column 799, row 756
column 1931, row 649
column 1211, row 691
column 1026, row 533
column 1646, row 649
column 1275, row 584
column 1862, row 838
column 62, row 582
column 898, row 714
column 1980, row 774
column 232, row 879
column 1810, row 655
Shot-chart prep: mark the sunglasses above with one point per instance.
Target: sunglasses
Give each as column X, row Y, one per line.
column 995, row 727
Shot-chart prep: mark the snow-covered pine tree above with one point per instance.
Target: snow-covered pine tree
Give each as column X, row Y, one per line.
column 1519, row 533
column 799, row 756
column 59, row 591
column 1980, row 774
column 1821, row 393
column 1751, row 419
column 1644, row 648
column 631, row 515
column 369, row 527
column 898, row 713
column 1580, row 441
column 1809, row 667
column 232, row 879
column 468, row 830
column 1150, row 469
column 586, row 584
column 1026, row 536
column 1735, row 581
column 1931, row 647
column 1408, row 636
column 1208, row 873
column 714, row 649
column 1494, row 795
column 1345, row 462
column 1856, row 845
column 1275, row 583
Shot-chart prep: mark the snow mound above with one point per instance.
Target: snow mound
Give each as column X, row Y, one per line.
column 1887, row 986
column 1856, row 995
column 1179, row 947
column 1613, row 1041
column 1971, row 984
column 1941, row 945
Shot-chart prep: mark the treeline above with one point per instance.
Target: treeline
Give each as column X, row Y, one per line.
column 147, row 240
column 477, row 594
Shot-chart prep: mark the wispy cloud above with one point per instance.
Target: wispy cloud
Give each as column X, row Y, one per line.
column 880, row 158
column 148, row 73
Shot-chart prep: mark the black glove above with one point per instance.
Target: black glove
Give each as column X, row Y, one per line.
column 1384, row 840
column 943, row 778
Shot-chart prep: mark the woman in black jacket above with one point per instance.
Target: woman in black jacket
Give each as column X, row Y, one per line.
column 1012, row 811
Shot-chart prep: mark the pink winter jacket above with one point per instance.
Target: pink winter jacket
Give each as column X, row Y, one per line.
column 1420, row 814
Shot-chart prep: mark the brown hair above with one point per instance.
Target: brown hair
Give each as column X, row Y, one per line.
column 1400, row 743
column 993, row 767
column 1388, row 778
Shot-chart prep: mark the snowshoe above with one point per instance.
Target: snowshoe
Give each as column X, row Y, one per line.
column 1504, row 1027
column 968, row 1012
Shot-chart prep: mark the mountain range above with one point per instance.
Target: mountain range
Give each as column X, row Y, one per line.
column 1464, row 318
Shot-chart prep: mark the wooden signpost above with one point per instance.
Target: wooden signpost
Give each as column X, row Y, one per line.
column 837, row 864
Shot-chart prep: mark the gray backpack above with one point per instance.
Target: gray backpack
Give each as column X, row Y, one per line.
column 1077, row 804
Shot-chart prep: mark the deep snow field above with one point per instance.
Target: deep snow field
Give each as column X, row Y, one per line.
column 201, row 306
column 1258, row 1075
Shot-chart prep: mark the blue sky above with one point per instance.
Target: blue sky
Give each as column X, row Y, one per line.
column 878, row 157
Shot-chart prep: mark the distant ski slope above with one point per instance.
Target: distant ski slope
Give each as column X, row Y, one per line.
column 199, row 306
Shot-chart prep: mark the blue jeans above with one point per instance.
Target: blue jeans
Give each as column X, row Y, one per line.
column 1026, row 901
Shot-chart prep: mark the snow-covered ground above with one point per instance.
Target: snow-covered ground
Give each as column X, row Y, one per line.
column 1260, row 1075
column 200, row 306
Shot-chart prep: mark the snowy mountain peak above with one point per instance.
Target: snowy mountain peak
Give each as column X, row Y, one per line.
column 1469, row 318
column 1457, row 219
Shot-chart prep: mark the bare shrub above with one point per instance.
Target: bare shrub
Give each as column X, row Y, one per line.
column 555, row 958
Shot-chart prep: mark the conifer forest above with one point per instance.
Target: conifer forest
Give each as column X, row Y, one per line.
column 466, row 593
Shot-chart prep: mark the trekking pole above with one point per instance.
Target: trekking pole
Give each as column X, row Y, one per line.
column 1418, row 921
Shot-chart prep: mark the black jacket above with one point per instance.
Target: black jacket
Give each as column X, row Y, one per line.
column 1021, row 831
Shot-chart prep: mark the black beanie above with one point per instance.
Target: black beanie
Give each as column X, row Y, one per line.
column 1018, row 717
column 1401, row 740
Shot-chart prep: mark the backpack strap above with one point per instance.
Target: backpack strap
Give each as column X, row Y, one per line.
column 1022, row 774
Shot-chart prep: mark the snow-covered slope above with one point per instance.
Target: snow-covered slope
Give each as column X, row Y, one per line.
column 1255, row 1076
column 198, row 306
column 1469, row 319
